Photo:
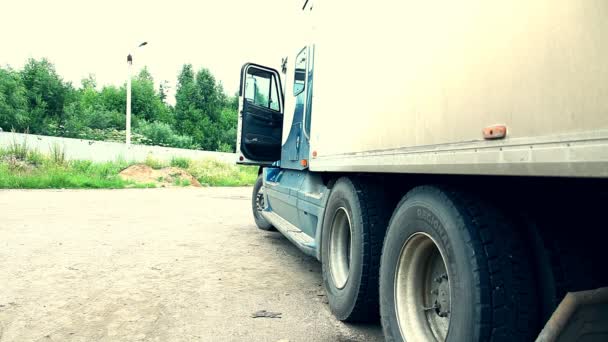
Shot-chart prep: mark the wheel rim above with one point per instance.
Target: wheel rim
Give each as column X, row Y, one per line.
column 422, row 291
column 259, row 201
column 340, row 248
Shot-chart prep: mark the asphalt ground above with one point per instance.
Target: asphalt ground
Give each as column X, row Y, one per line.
column 173, row 264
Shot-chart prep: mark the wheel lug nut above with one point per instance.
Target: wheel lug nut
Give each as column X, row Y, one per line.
column 441, row 278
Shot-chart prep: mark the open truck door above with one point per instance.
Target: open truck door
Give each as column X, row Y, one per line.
column 260, row 125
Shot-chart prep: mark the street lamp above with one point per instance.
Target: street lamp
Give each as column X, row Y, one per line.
column 129, row 64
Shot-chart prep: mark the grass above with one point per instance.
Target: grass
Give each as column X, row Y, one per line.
column 57, row 154
column 24, row 168
column 77, row 174
column 181, row 182
column 216, row 173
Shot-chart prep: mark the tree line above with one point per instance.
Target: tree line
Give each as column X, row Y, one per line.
column 37, row 100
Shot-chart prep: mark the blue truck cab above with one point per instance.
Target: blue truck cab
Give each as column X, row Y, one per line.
column 294, row 198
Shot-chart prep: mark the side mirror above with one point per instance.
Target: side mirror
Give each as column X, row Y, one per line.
column 299, row 80
column 300, row 72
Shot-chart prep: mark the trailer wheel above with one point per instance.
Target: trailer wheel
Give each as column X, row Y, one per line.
column 355, row 220
column 257, row 205
column 453, row 269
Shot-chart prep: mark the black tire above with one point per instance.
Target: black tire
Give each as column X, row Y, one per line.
column 260, row 221
column 368, row 211
column 492, row 289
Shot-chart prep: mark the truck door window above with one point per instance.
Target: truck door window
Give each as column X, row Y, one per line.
column 261, row 90
column 300, row 73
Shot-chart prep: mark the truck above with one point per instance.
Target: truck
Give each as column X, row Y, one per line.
column 446, row 162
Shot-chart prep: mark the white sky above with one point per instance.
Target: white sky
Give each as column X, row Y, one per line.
column 82, row 37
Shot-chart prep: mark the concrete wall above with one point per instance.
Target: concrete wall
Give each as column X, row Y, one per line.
column 101, row 151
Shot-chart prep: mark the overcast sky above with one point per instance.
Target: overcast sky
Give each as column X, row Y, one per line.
column 82, row 37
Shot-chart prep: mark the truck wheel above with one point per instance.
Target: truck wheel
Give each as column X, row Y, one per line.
column 453, row 269
column 257, row 205
column 355, row 220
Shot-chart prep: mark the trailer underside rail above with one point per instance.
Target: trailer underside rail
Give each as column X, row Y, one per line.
column 565, row 155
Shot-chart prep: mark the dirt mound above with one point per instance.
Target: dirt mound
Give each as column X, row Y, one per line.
column 168, row 176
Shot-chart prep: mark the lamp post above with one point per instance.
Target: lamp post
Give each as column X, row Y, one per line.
column 129, row 65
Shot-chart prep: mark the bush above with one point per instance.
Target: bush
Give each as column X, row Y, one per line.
column 154, row 163
column 81, row 165
column 96, row 117
column 184, row 163
column 157, row 133
column 161, row 134
column 35, row 158
column 224, row 147
column 184, row 141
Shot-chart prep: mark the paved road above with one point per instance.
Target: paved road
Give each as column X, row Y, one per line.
column 154, row 265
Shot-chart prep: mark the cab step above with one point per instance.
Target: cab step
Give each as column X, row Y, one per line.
column 293, row 233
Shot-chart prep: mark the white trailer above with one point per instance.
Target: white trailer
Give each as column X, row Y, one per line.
column 447, row 162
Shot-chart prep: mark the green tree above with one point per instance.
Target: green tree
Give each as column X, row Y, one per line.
column 228, row 123
column 146, row 103
column 37, row 98
column 199, row 103
column 46, row 94
column 13, row 101
column 89, row 97
column 113, row 98
column 186, row 112
column 162, row 91
column 145, row 75
column 233, row 102
column 208, row 94
column 89, row 82
column 88, row 109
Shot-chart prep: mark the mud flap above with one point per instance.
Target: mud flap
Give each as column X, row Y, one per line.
column 581, row 316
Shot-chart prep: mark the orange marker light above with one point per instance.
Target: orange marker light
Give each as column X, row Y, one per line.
column 304, row 162
column 495, row 132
